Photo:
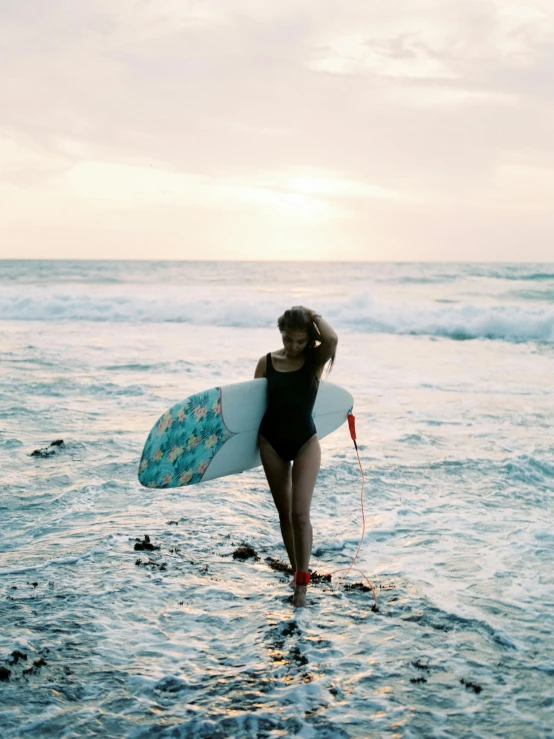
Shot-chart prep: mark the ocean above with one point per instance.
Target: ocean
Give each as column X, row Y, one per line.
column 451, row 367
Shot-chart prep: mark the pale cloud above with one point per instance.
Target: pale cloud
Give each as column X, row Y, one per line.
column 332, row 124
column 509, row 32
column 355, row 54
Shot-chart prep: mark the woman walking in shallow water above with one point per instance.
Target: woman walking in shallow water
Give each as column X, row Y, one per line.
column 287, row 432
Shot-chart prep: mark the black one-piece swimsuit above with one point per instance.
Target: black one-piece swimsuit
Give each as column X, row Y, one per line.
column 287, row 423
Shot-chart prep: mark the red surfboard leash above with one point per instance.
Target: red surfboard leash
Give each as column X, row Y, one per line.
column 352, row 427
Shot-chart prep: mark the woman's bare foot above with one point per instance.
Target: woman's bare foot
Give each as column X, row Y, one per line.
column 299, row 596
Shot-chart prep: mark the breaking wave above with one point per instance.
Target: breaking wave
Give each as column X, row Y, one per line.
column 202, row 305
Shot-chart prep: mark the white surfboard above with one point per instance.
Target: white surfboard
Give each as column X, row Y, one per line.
column 214, row 433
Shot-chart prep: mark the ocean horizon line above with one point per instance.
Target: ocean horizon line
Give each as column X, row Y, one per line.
column 273, row 261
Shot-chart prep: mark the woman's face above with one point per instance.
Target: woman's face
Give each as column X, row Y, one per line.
column 294, row 342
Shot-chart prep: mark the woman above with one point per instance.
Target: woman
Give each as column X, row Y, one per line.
column 287, row 432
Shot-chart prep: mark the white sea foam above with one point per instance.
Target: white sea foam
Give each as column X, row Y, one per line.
column 361, row 311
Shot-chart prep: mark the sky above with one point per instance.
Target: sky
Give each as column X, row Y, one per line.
column 336, row 130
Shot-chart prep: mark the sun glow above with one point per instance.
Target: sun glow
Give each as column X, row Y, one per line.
column 299, row 197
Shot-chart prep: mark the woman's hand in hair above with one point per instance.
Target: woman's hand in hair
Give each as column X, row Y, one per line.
column 309, row 311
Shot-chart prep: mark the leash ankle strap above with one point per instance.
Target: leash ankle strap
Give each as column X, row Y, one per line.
column 301, row 578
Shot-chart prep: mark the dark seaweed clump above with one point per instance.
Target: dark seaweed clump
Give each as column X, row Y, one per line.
column 47, row 451
column 275, row 564
column 358, row 586
column 245, row 551
column 151, row 563
column 41, row 662
column 145, row 545
column 316, row 577
column 16, row 656
column 5, row 673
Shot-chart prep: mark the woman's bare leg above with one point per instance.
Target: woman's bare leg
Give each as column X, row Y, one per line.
column 278, row 473
column 305, row 470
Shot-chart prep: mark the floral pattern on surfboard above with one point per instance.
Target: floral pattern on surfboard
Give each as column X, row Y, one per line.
column 184, row 441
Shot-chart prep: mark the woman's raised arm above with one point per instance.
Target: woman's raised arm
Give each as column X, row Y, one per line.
column 326, row 335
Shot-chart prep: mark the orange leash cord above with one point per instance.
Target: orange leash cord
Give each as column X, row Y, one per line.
column 352, row 426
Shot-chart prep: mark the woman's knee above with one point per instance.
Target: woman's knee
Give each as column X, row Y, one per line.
column 285, row 515
column 300, row 519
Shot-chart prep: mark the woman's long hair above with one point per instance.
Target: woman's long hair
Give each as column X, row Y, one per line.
column 297, row 319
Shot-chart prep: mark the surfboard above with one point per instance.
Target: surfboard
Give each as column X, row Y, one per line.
column 215, row 433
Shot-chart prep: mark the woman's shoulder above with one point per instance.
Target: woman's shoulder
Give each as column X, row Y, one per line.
column 261, row 367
